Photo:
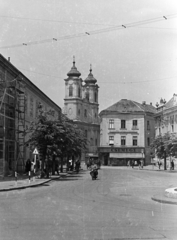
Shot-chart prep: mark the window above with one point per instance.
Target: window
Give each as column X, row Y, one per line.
column 111, row 140
column 70, row 91
column 95, row 97
column 135, row 140
column 123, row 140
column 96, row 142
column 87, row 96
column 31, row 106
column 79, row 92
column 85, row 113
column 79, row 112
column 95, row 115
column 91, row 141
column 148, row 141
column 111, row 123
column 148, row 125
column 123, row 124
column 135, row 124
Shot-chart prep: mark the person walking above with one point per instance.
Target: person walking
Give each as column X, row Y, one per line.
column 159, row 164
column 28, row 166
column 172, row 165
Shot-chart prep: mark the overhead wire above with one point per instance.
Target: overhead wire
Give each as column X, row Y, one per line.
column 92, row 32
column 130, row 82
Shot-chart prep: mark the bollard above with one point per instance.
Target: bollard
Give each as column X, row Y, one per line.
column 29, row 176
column 15, row 178
column 34, row 175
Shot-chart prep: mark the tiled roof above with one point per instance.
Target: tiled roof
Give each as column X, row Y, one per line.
column 172, row 102
column 128, row 106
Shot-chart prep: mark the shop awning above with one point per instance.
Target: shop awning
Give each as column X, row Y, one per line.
column 126, row 155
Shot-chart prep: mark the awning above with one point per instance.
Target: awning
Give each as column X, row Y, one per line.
column 126, row 155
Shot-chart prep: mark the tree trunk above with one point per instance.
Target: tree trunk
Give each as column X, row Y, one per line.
column 67, row 164
column 53, row 165
column 165, row 161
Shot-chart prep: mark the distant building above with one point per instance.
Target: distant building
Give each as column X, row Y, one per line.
column 81, row 105
column 166, row 117
column 19, row 102
column 126, row 131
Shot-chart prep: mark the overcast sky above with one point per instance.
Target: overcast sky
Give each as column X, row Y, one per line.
column 137, row 61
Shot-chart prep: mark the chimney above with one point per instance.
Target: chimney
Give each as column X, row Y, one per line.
column 150, row 103
column 144, row 103
column 8, row 59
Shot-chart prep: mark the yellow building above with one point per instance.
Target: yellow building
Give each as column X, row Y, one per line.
column 126, row 131
column 81, row 105
column 19, row 101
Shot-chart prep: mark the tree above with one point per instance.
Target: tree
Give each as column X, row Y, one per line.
column 56, row 137
column 165, row 146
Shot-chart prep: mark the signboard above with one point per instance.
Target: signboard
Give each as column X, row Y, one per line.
column 35, row 152
column 122, row 150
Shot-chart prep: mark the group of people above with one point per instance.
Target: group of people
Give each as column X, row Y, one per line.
column 133, row 163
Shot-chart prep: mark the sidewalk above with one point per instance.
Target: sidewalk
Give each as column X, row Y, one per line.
column 9, row 183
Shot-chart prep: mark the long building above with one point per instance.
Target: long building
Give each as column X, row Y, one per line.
column 19, row 102
column 81, row 105
column 126, row 132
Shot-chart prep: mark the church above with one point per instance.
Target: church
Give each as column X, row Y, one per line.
column 81, row 105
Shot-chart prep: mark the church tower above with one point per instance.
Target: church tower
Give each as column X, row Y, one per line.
column 73, row 93
column 81, row 105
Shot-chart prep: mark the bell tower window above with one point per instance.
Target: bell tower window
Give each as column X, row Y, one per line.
column 95, row 97
column 79, row 92
column 70, row 91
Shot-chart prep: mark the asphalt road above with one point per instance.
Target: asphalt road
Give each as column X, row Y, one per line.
column 116, row 206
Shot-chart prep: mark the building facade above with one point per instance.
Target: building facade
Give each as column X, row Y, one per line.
column 81, row 105
column 126, row 131
column 19, row 102
column 166, row 117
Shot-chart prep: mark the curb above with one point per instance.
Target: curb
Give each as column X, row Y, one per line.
column 162, row 199
column 24, row 186
column 29, row 185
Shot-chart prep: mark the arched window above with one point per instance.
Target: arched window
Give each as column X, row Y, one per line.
column 79, row 92
column 95, row 97
column 85, row 113
column 87, row 95
column 70, row 91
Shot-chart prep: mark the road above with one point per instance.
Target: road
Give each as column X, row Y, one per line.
column 116, row 206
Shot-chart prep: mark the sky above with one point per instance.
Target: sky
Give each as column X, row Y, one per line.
column 131, row 44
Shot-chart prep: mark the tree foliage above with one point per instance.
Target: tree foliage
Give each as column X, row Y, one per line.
column 165, row 145
column 60, row 137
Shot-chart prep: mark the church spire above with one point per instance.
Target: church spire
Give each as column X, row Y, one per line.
column 73, row 72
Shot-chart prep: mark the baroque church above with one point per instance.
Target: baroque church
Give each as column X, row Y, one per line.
column 81, row 105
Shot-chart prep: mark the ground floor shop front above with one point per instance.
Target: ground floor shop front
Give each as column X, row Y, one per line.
column 116, row 156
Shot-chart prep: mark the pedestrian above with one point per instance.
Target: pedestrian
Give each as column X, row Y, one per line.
column 28, row 166
column 142, row 163
column 128, row 163
column 57, row 164
column 172, row 165
column 133, row 163
column 159, row 164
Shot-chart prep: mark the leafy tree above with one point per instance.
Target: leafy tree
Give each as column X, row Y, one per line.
column 56, row 137
column 165, row 146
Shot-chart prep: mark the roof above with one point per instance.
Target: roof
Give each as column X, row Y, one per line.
column 73, row 72
column 129, row 106
column 19, row 73
column 90, row 78
column 172, row 102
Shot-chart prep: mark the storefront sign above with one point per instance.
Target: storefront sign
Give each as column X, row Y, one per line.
column 122, row 150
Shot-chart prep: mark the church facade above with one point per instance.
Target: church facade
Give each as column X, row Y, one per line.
column 81, row 105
